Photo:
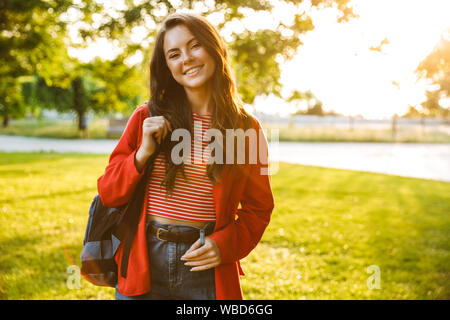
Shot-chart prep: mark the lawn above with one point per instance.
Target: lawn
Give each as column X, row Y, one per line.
column 328, row 227
column 58, row 129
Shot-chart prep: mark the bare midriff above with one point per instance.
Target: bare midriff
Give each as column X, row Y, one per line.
column 163, row 220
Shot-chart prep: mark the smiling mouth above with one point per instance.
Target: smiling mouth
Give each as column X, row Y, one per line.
column 193, row 70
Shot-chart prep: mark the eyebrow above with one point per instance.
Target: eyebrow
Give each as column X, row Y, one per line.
column 174, row 49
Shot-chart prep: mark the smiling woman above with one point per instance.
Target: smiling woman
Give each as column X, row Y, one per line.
column 191, row 232
column 191, row 66
column 187, row 61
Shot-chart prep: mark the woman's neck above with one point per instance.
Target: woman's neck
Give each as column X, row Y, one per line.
column 200, row 101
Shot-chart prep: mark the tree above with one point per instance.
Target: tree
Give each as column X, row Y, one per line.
column 412, row 112
column 32, row 41
column 256, row 55
column 316, row 109
column 436, row 69
column 432, row 106
column 314, row 105
column 115, row 85
column 10, row 99
column 101, row 86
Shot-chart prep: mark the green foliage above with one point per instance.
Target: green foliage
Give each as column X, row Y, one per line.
column 432, row 106
column 328, row 226
column 436, row 68
column 316, row 109
column 101, row 86
column 115, row 85
column 256, row 55
column 50, row 97
column 10, row 99
column 34, row 40
column 344, row 7
column 314, row 105
column 413, row 113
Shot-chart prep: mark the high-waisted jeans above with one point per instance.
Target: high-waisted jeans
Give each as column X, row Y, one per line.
column 170, row 278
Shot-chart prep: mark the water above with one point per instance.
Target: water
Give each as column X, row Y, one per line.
column 429, row 161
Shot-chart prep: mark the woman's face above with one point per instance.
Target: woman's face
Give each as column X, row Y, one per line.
column 188, row 61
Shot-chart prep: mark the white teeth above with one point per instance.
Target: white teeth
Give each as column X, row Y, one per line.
column 192, row 70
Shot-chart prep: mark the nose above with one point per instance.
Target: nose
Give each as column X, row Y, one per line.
column 187, row 57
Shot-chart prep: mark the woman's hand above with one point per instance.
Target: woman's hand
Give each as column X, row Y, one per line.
column 154, row 129
column 202, row 257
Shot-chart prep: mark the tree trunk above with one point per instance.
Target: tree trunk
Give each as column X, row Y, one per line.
column 79, row 103
column 5, row 118
column 82, row 124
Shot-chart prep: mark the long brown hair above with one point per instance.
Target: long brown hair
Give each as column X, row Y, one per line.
column 168, row 97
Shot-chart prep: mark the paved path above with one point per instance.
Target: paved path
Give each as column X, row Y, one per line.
column 429, row 161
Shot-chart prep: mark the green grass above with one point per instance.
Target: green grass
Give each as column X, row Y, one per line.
column 67, row 129
column 60, row 129
column 328, row 226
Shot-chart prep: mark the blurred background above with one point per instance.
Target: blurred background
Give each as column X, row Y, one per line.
column 354, row 98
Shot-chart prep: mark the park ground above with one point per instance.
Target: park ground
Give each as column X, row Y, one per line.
column 330, row 230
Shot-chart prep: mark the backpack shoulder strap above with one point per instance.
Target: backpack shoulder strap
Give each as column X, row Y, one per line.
column 135, row 206
column 148, row 107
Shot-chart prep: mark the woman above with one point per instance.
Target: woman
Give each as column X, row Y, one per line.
column 191, row 233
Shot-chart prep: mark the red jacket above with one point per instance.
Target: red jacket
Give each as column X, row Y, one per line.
column 234, row 236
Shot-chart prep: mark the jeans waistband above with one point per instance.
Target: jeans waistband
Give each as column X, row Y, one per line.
column 208, row 228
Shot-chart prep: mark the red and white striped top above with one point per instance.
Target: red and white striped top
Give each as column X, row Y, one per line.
column 192, row 199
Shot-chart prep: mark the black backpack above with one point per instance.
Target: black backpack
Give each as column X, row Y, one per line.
column 106, row 229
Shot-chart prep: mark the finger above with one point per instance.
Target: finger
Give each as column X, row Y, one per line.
column 158, row 132
column 155, row 134
column 152, row 129
column 207, row 255
column 208, row 266
column 202, row 262
column 153, row 121
column 194, row 246
column 150, row 124
column 155, row 130
column 197, row 252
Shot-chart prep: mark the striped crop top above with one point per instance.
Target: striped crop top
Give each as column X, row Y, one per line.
column 192, row 199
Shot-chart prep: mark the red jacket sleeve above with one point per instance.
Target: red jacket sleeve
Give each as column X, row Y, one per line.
column 116, row 185
column 241, row 236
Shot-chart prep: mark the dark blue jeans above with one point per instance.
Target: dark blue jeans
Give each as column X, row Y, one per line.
column 170, row 278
